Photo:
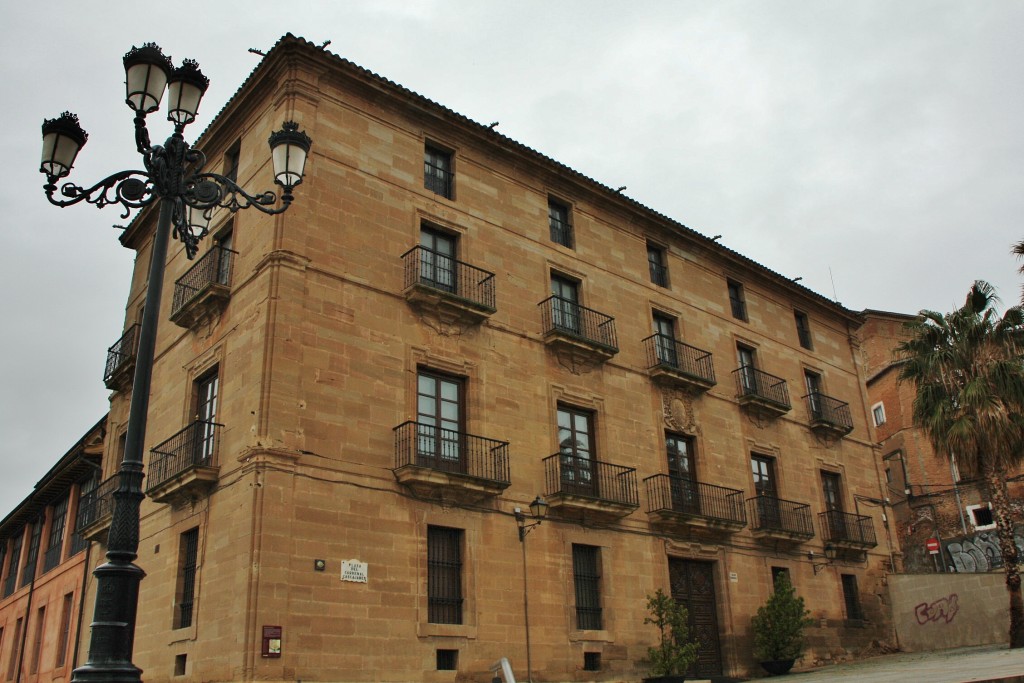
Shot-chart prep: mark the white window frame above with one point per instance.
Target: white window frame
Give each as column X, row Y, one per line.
column 970, row 515
column 875, row 410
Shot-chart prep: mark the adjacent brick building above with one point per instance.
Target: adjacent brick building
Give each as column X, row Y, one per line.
column 44, row 565
column 930, row 497
column 445, row 325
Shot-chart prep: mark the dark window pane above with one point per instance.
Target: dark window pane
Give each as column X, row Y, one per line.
column 587, row 580
column 558, row 221
column 444, row 575
column 437, row 171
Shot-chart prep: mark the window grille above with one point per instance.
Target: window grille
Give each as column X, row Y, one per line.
column 587, row 579
column 188, row 558
column 444, row 575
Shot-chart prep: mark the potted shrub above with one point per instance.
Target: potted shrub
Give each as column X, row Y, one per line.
column 779, row 628
column 676, row 651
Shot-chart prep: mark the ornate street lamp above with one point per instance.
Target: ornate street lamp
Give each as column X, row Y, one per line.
column 831, row 553
column 187, row 199
column 538, row 511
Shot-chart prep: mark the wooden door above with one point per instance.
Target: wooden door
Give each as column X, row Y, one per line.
column 692, row 584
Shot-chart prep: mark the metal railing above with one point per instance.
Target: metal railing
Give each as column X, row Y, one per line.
column 665, row 351
column 678, row 494
column 569, row 317
column 753, row 382
column 214, row 268
column 437, row 179
column 840, row 527
column 577, row 476
column 120, row 353
column 776, row 514
column 429, row 268
column 96, row 504
column 561, row 231
column 830, row 411
column 423, row 445
column 658, row 272
column 194, row 446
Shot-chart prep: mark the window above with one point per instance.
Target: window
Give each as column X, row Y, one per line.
column 748, row 369
column 437, row 259
column 180, row 664
column 777, row 572
column 851, row 596
column 447, row 660
column 737, row 300
column 656, row 265
column 769, row 511
column 223, row 243
column 565, row 306
column 878, row 413
column 55, row 542
column 29, row 571
column 576, row 446
column 665, row 341
column 439, row 418
column 10, row 581
column 64, row 637
column 231, row 161
column 437, row 171
column 558, row 221
column 981, row 517
column 12, row 665
column 803, row 329
column 444, row 575
column 586, row 571
column 37, row 642
column 812, row 381
column 78, row 542
column 682, row 477
column 188, row 566
column 206, row 398
column 591, row 661
column 831, row 488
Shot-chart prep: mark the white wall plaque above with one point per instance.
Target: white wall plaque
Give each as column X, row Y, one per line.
column 354, row 570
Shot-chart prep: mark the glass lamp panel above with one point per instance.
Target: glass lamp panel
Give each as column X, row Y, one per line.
column 198, row 219
column 183, row 101
column 59, row 152
column 289, row 161
column 145, row 84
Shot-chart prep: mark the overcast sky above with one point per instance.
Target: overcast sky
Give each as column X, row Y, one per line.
column 873, row 148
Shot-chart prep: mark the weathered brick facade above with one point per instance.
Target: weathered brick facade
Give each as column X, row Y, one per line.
column 328, row 336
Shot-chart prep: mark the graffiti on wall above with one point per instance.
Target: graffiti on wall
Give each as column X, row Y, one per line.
column 980, row 552
column 941, row 610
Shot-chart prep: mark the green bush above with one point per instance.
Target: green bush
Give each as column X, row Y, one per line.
column 779, row 624
column 676, row 651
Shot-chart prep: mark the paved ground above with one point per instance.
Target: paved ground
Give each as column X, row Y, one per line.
column 963, row 665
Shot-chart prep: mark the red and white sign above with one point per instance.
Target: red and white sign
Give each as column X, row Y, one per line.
column 933, row 546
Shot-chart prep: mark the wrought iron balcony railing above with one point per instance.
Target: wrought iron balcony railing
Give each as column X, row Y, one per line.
column 664, row 351
column 843, row 528
column 576, row 476
column 428, row 268
column 194, row 446
column 568, row 317
column 427, row 446
column 759, row 385
column 120, row 355
column 214, row 268
column 829, row 412
column 668, row 493
column 438, row 179
column 767, row 513
column 96, row 504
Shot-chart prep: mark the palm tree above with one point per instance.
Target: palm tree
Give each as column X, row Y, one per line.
column 969, row 373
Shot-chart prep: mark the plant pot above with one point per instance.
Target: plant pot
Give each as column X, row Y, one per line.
column 777, row 667
column 665, row 679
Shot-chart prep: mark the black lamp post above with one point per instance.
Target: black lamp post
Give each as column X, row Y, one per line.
column 538, row 511
column 187, row 199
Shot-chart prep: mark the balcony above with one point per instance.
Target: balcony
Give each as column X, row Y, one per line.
column 204, row 290
column 184, row 466
column 581, row 335
column 685, row 504
column 847, row 531
column 775, row 519
column 829, row 416
column 120, row 367
column 590, row 488
column 764, row 393
column 674, row 363
column 450, row 290
column 448, row 465
column 95, row 509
